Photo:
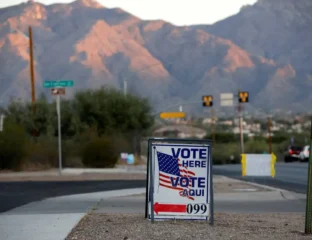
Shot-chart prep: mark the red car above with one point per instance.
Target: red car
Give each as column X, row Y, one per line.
column 293, row 153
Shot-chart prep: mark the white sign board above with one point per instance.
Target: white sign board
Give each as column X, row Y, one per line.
column 226, row 96
column 227, row 103
column 226, row 99
column 258, row 165
column 180, row 186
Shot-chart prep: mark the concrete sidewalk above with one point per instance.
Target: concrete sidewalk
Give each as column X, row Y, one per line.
column 77, row 174
column 77, row 171
column 52, row 218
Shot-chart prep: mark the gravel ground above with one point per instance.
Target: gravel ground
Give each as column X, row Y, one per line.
column 282, row 226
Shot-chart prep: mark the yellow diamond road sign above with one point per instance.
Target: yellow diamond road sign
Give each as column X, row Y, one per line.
column 173, row 115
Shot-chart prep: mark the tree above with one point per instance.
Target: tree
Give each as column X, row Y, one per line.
column 106, row 111
column 223, row 137
column 21, row 113
column 109, row 110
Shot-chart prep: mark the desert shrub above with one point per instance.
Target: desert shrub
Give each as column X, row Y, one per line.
column 223, row 137
column 225, row 154
column 256, row 147
column 122, row 143
column 280, row 137
column 71, row 149
column 99, row 153
column 42, row 152
column 12, row 146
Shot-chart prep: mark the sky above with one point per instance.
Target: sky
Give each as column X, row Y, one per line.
column 178, row 12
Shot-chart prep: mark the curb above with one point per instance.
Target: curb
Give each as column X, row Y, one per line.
column 105, row 194
column 78, row 171
column 287, row 195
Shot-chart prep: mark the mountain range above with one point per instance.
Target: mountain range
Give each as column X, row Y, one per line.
column 265, row 49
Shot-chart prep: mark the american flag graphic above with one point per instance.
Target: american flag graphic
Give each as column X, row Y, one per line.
column 172, row 167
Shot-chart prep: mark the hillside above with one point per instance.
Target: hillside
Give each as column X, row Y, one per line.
column 96, row 46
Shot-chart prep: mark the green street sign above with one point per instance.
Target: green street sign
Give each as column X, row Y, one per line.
column 61, row 83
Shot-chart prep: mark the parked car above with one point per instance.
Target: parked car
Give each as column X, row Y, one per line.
column 305, row 153
column 292, row 153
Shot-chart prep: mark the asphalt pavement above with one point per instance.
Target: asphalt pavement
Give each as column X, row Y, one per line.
column 288, row 176
column 15, row 194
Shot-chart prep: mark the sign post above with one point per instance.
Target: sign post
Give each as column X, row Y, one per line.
column 308, row 215
column 58, row 110
column 57, row 91
column 1, row 122
column 179, row 180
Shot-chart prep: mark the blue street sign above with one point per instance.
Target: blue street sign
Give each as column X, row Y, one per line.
column 61, row 83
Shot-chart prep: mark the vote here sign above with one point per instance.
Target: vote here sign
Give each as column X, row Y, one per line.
column 181, row 181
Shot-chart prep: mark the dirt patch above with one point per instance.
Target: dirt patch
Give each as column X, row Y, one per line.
column 279, row 226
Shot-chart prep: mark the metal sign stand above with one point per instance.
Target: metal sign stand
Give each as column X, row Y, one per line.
column 150, row 180
column 57, row 88
column 58, row 109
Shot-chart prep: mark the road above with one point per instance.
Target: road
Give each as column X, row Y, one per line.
column 15, row 194
column 289, row 176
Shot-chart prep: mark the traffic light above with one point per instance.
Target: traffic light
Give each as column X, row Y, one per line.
column 207, row 101
column 243, row 97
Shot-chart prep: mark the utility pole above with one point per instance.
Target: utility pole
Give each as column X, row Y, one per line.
column 32, row 76
column 212, row 125
column 241, row 127
column 243, row 97
column 125, row 87
column 207, row 101
column 32, row 72
column 270, row 136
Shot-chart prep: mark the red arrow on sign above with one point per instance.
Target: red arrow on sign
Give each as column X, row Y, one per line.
column 158, row 207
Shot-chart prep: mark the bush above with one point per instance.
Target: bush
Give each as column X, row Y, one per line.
column 280, row 137
column 223, row 137
column 42, row 152
column 256, row 147
column 99, row 153
column 225, row 154
column 12, row 146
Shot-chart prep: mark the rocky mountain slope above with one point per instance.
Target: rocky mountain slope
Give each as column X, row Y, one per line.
column 95, row 46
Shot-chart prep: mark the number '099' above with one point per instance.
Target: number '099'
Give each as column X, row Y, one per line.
column 196, row 208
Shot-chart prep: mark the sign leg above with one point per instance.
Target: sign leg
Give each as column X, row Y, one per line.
column 152, row 166
column 211, row 219
column 147, row 196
